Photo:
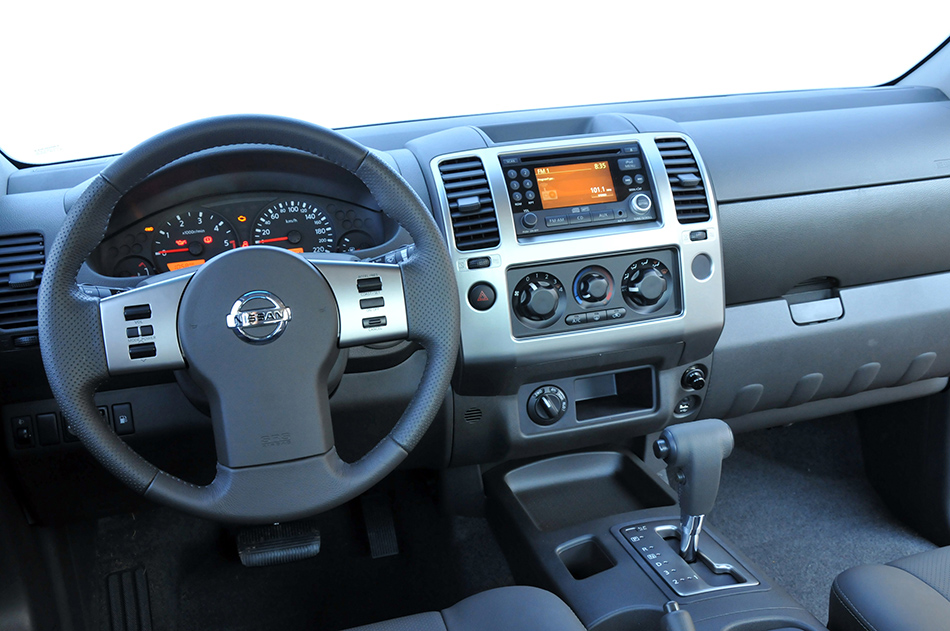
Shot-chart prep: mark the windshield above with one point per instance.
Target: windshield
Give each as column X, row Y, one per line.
column 94, row 81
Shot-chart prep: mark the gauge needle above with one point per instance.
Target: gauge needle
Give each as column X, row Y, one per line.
column 172, row 251
column 274, row 240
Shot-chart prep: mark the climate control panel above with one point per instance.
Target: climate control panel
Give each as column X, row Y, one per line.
column 575, row 295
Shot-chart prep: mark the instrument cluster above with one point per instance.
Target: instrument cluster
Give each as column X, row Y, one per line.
column 189, row 234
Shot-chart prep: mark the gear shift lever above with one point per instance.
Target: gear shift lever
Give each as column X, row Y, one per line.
column 694, row 453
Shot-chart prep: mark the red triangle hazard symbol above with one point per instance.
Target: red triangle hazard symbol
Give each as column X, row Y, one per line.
column 481, row 297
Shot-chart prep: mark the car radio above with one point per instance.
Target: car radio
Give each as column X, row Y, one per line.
column 575, row 190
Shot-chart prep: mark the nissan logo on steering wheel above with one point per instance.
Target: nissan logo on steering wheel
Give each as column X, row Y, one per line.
column 258, row 317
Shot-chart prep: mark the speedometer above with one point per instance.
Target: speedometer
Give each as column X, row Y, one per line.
column 295, row 225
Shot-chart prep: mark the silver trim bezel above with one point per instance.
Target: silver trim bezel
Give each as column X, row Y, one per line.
column 487, row 338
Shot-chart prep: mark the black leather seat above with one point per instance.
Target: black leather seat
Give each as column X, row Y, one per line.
column 502, row 609
column 912, row 593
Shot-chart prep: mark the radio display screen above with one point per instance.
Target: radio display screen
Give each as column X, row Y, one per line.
column 575, row 184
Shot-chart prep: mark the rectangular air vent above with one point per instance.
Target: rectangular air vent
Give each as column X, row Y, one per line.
column 21, row 267
column 689, row 193
column 470, row 204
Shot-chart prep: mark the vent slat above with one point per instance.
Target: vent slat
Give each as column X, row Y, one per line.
column 464, row 179
column 691, row 203
column 20, row 253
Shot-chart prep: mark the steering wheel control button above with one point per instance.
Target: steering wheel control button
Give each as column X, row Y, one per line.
column 481, row 296
column 137, row 312
column 547, row 405
column 365, row 285
column 258, row 317
column 142, row 351
column 372, row 303
column 480, row 262
column 147, row 330
column 575, row 318
column 132, row 332
column 122, row 415
column 373, row 323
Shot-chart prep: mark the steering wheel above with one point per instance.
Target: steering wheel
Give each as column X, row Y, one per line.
column 258, row 328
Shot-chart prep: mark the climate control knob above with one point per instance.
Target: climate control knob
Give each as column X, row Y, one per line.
column 647, row 285
column 537, row 299
column 648, row 288
column 547, row 405
column 593, row 286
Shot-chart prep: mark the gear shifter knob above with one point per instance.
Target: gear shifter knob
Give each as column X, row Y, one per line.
column 694, row 453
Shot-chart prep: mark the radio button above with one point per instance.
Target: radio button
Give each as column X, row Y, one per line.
column 559, row 220
column 630, row 164
column 527, row 184
column 640, row 204
column 601, row 215
column 627, row 180
column 515, row 185
column 530, row 196
column 525, row 173
column 516, row 197
column 580, row 218
column 512, row 174
column 639, row 179
column 529, row 220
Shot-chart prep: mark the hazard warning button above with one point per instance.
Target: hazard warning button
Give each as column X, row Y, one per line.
column 481, row 296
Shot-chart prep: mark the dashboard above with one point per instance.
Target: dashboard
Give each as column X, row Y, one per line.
column 189, row 234
column 619, row 268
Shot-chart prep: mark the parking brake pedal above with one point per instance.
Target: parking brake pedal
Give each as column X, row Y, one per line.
column 380, row 528
column 280, row 543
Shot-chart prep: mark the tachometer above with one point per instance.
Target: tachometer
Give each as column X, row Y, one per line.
column 295, row 225
column 191, row 238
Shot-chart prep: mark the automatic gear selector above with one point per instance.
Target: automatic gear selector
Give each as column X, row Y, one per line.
column 694, row 453
column 691, row 561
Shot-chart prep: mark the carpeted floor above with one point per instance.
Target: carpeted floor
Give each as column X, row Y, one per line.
column 796, row 501
column 196, row 581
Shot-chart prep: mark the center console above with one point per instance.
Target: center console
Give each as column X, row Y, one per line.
column 602, row 530
column 591, row 284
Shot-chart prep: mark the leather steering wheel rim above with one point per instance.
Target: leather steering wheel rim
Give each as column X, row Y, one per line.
column 74, row 356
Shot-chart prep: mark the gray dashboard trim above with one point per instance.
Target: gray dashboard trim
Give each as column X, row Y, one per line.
column 857, row 236
column 487, row 341
column 793, row 153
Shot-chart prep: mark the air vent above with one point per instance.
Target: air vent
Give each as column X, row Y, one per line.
column 21, row 268
column 689, row 194
column 470, row 204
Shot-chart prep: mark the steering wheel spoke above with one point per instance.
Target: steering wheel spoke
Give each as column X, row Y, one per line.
column 371, row 301
column 140, row 327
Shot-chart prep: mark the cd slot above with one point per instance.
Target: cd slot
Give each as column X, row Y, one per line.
column 574, row 155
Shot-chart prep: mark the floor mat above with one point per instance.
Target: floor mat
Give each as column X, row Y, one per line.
column 196, row 581
column 796, row 501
